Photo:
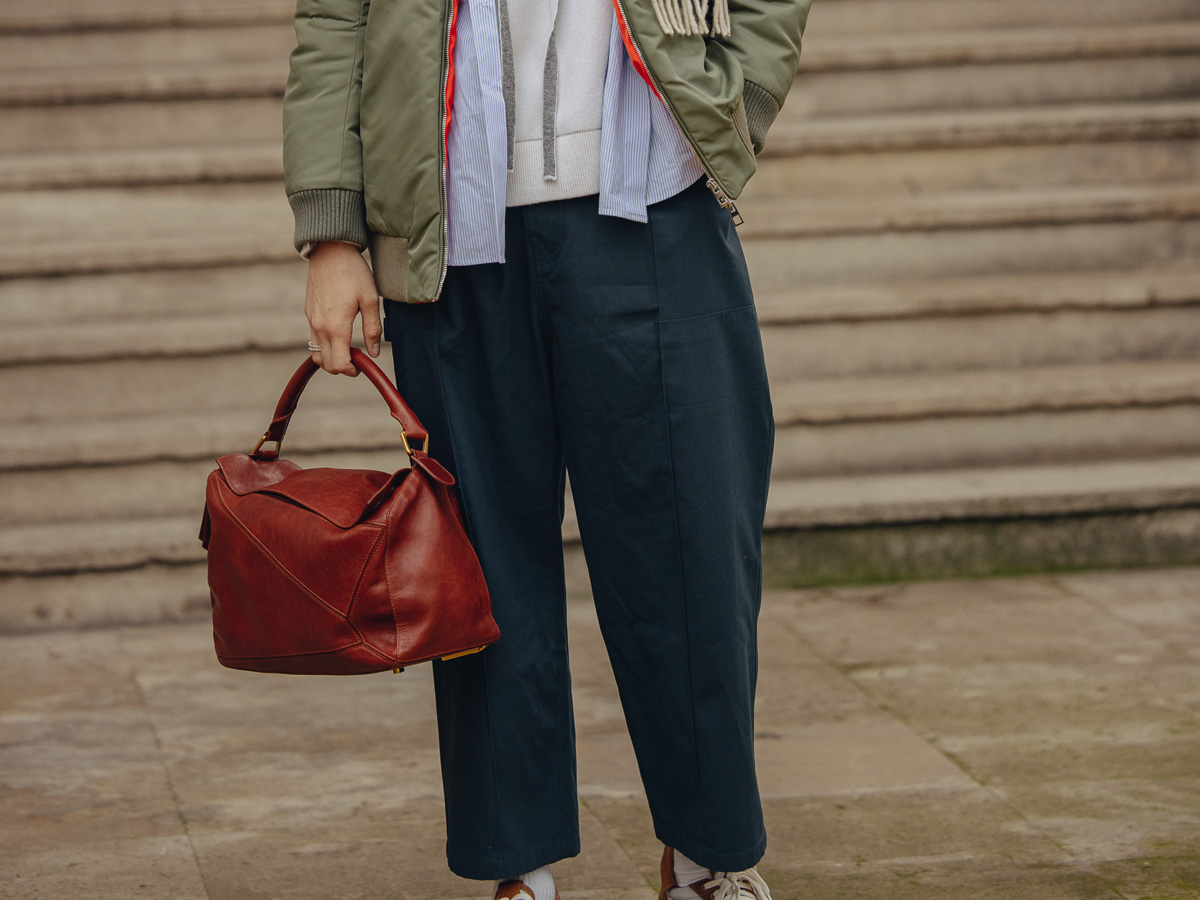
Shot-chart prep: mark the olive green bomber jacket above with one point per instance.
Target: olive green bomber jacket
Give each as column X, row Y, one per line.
column 371, row 83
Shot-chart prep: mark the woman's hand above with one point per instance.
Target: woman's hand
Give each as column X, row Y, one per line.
column 340, row 286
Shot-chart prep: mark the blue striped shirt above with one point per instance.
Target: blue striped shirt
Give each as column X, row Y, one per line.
column 644, row 157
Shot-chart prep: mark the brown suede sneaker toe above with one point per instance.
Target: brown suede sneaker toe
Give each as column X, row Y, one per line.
column 516, row 889
column 744, row 885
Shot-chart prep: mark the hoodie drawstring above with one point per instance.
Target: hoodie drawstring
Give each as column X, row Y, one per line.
column 508, row 78
column 550, row 104
column 549, row 92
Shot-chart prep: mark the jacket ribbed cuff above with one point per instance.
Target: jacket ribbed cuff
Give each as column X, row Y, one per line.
column 329, row 214
column 761, row 110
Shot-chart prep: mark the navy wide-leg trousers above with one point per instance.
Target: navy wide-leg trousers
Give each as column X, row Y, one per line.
column 628, row 355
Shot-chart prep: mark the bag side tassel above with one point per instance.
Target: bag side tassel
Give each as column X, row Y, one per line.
column 205, row 527
column 692, row 16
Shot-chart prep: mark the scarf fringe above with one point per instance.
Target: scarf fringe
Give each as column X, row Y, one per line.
column 693, row 16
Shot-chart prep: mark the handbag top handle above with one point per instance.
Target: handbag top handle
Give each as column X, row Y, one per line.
column 410, row 425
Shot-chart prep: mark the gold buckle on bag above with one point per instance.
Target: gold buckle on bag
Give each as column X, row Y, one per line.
column 262, row 440
column 407, row 448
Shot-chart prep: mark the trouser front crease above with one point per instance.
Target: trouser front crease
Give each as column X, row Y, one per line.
column 629, row 355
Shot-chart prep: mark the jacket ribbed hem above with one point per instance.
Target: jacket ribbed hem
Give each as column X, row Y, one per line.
column 761, row 110
column 329, row 214
column 389, row 263
column 578, row 156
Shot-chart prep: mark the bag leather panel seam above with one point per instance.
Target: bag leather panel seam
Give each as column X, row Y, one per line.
column 287, row 572
column 363, row 574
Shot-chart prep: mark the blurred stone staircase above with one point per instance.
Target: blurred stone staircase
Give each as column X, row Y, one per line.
column 974, row 239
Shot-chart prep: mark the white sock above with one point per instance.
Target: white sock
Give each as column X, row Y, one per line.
column 687, row 872
column 540, row 881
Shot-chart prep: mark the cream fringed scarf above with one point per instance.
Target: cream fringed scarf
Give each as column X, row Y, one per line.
column 689, row 16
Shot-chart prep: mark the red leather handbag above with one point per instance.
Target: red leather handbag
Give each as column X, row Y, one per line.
column 327, row 571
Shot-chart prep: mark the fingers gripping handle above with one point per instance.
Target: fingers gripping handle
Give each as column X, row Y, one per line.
column 410, row 425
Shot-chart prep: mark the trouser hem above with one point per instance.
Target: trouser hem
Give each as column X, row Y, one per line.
column 494, row 868
column 716, row 859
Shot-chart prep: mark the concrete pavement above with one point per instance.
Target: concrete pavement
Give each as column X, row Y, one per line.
column 1033, row 737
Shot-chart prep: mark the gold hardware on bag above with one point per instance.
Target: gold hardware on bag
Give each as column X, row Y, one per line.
column 463, row 653
column 407, row 448
column 262, row 440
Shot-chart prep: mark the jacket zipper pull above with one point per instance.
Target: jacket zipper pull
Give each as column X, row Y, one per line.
column 725, row 202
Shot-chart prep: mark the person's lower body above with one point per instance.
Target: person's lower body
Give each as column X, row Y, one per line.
column 630, row 356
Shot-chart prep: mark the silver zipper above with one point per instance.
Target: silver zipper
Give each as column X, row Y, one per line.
column 712, row 183
column 442, row 152
column 723, row 199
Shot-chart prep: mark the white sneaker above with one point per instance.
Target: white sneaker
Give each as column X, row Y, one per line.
column 744, row 885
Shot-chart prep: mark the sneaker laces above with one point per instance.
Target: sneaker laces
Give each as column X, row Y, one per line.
column 746, row 885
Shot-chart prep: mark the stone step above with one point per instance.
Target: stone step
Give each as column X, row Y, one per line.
column 944, row 346
column 974, row 315
column 798, row 217
column 942, row 523
column 216, row 311
column 839, row 75
column 993, row 493
column 862, row 17
column 1059, row 414
column 41, row 394
column 236, row 140
column 141, row 167
column 87, row 301
column 174, row 227
column 130, row 337
column 76, row 54
column 53, row 318
column 868, row 448
column 146, row 228
column 906, row 173
column 113, row 369
column 109, row 84
column 178, row 213
column 146, row 594
column 242, row 134
column 787, row 265
column 55, row 16
column 1068, row 162
column 335, row 416
column 832, row 52
column 157, row 465
column 1002, row 493
column 971, row 86
column 73, row 55
column 165, row 487
column 1054, row 436
column 819, row 332
column 793, row 135
column 987, row 392
column 990, row 294
column 72, row 547
column 245, row 125
column 829, row 17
